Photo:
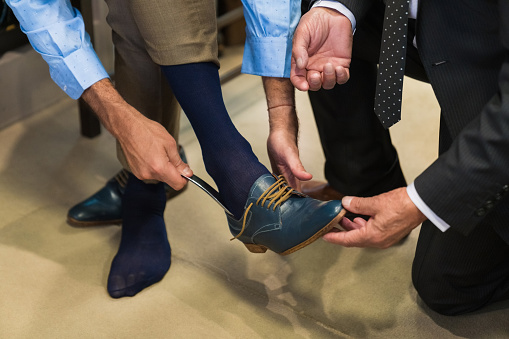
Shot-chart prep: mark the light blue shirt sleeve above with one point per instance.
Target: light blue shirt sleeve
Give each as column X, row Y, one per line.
column 269, row 32
column 57, row 32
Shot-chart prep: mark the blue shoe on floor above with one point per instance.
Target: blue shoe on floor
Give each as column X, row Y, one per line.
column 282, row 220
column 102, row 208
column 105, row 206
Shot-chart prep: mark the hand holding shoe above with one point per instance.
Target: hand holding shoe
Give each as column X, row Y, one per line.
column 392, row 216
column 284, row 159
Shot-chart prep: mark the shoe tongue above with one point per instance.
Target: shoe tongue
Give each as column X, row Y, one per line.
column 261, row 185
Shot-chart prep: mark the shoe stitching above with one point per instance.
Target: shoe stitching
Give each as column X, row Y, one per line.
column 277, row 193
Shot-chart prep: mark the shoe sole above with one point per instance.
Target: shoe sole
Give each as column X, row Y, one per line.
column 80, row 223
column 254, row 248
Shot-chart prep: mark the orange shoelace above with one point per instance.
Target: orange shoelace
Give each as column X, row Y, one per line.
column 276, row 194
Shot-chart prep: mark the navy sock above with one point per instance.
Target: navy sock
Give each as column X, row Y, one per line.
column 227, row 156
column 144, row 255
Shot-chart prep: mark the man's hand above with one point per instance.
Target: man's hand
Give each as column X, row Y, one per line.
column 392, row 216
column 284, row 158
column 322, row 50
column 150, row 150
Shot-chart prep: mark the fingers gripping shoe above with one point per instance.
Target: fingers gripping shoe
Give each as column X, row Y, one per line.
column 280, row 219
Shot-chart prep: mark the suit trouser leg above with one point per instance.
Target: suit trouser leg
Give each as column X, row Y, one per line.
column 360, row 159
column 137, row 78
column 143, row 86
column 456, row 274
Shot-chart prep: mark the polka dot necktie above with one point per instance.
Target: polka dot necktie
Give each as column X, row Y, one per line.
column 391, row 66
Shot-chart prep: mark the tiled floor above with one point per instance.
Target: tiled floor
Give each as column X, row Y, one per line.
column 53, row 276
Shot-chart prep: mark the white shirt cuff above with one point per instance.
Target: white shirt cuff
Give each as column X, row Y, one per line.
column 338, row 7
column 421, row 205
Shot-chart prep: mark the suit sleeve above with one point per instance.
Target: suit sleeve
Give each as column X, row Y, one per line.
column 470, row 181
column 359, row 8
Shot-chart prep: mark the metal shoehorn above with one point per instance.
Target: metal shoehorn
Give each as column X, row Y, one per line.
column 209, row 190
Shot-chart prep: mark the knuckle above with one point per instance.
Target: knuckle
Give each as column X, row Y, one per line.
column 342, row 79
column 157, row 169
column 143, row 175
column 179, row 163
column 172, row 142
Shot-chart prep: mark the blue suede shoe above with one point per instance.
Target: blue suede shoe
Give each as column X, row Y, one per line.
column 105, row 206
column 283, row 220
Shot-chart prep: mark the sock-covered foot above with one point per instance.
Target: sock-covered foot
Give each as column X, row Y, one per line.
column 144, row 255
column 227, row 156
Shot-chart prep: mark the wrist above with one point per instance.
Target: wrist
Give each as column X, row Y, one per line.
column 283, row 120
column 283, row 105
column 412, row 207
column 111, row 109
column 279, row 92
column 284, row 133
column 335, row 8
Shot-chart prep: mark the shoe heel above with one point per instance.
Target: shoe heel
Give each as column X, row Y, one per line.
column 253, row 248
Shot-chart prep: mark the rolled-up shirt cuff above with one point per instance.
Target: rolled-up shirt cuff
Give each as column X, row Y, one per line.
column 267, row 56
column 338, row 7
column 421, row 205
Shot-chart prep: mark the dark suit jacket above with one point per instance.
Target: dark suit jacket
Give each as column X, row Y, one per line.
column 464, row 47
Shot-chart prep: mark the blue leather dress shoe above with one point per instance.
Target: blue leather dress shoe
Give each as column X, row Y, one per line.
column 283, row 220
column 105, row 206
column 102, row 208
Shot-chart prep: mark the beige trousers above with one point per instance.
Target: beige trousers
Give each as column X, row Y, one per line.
column 147, row 34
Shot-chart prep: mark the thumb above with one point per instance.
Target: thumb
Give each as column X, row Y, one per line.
column 299, row 171
column 184, row 169
column 292, row 161
column 301, row 41
column 364, row 206
column 175, row 167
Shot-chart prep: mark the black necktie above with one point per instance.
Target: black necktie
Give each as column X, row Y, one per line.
column 391, row 67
